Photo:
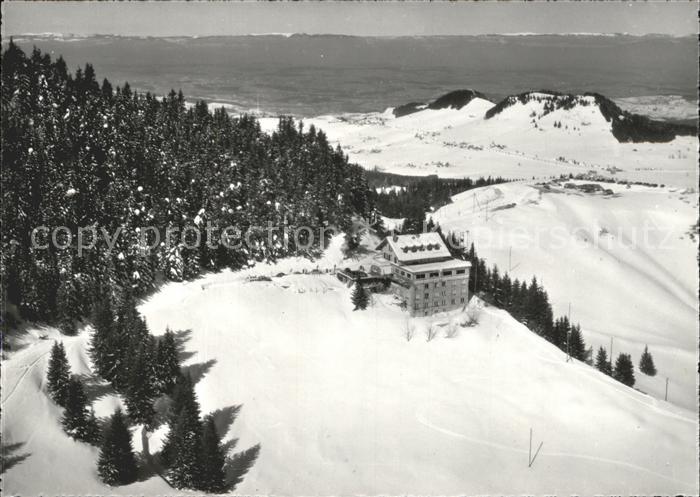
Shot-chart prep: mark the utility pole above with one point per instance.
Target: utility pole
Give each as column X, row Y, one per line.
column 666, row 394
column 611, row 355
column 510, row 258
column 568, row 335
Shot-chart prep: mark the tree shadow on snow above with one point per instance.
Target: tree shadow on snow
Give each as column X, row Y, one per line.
column 198, row 371
column 9, row 456
column 181, row 337
column 224, row 418
column 96, row 387
column 237, row 466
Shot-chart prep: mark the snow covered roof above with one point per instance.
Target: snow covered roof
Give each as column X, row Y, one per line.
column 438, row 266
column 411, row 248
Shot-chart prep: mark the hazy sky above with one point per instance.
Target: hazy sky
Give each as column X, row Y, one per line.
column 353, row 18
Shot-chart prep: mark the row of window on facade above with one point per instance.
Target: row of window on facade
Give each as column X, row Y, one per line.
column 442, row 294
column 449, row 283
column 421, row 276
column 437, row 303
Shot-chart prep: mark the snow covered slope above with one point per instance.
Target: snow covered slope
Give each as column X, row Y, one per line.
column 342, row 403
column 626, row 263
column 526, row 138
column 51, row 462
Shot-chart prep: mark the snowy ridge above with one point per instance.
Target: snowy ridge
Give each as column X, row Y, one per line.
column 544, row 135
column 625, row 126
column 453, row 100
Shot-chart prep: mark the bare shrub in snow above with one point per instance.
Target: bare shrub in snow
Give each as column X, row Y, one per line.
column 431, row 332
column 409, row 331
column 451, row 330
column 473, row 315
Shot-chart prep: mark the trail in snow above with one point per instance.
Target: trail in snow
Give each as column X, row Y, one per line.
column 422, row 419
column 27, row 369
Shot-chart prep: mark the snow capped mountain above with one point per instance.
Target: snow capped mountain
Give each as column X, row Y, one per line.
column 453, row 100
column 540, row 134
column 625, row 126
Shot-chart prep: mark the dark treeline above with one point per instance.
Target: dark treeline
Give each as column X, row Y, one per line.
column 77, row 153
column 143, row 369
column 420, row 194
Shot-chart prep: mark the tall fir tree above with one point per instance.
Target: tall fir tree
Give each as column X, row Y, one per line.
column 185, row 443
column 129, row 333
column 184, row 429
column 116, row 464
column 602, row 363
column 92, row 434
column 77, row 421
column 213, row 459
column 141, row 391
column 646, row 363
column 103, row 324
column 167, row 362
column 58, row 374
column 68, row 306
column 359, row 297
column 577, row 346
column 624, row 370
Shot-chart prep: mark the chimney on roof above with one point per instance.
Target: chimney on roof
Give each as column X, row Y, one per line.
column 395, row 236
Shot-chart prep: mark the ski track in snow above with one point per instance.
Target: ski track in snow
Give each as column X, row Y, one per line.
column 422, row 419
column 27, row 369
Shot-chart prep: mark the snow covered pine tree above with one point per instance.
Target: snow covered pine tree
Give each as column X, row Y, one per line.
column 77, row 420
column 602, row 363
column 646, row 363
column 117, row 464
column 624, row 370
column 58, row 375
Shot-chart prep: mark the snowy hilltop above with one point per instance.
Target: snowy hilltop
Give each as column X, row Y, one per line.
column 534, row 134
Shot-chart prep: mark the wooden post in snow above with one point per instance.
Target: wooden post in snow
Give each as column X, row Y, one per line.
column 530, row 457
column 666, row 394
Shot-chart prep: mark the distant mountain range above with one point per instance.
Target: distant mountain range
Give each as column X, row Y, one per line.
column 312, row 75
column 73, row 36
